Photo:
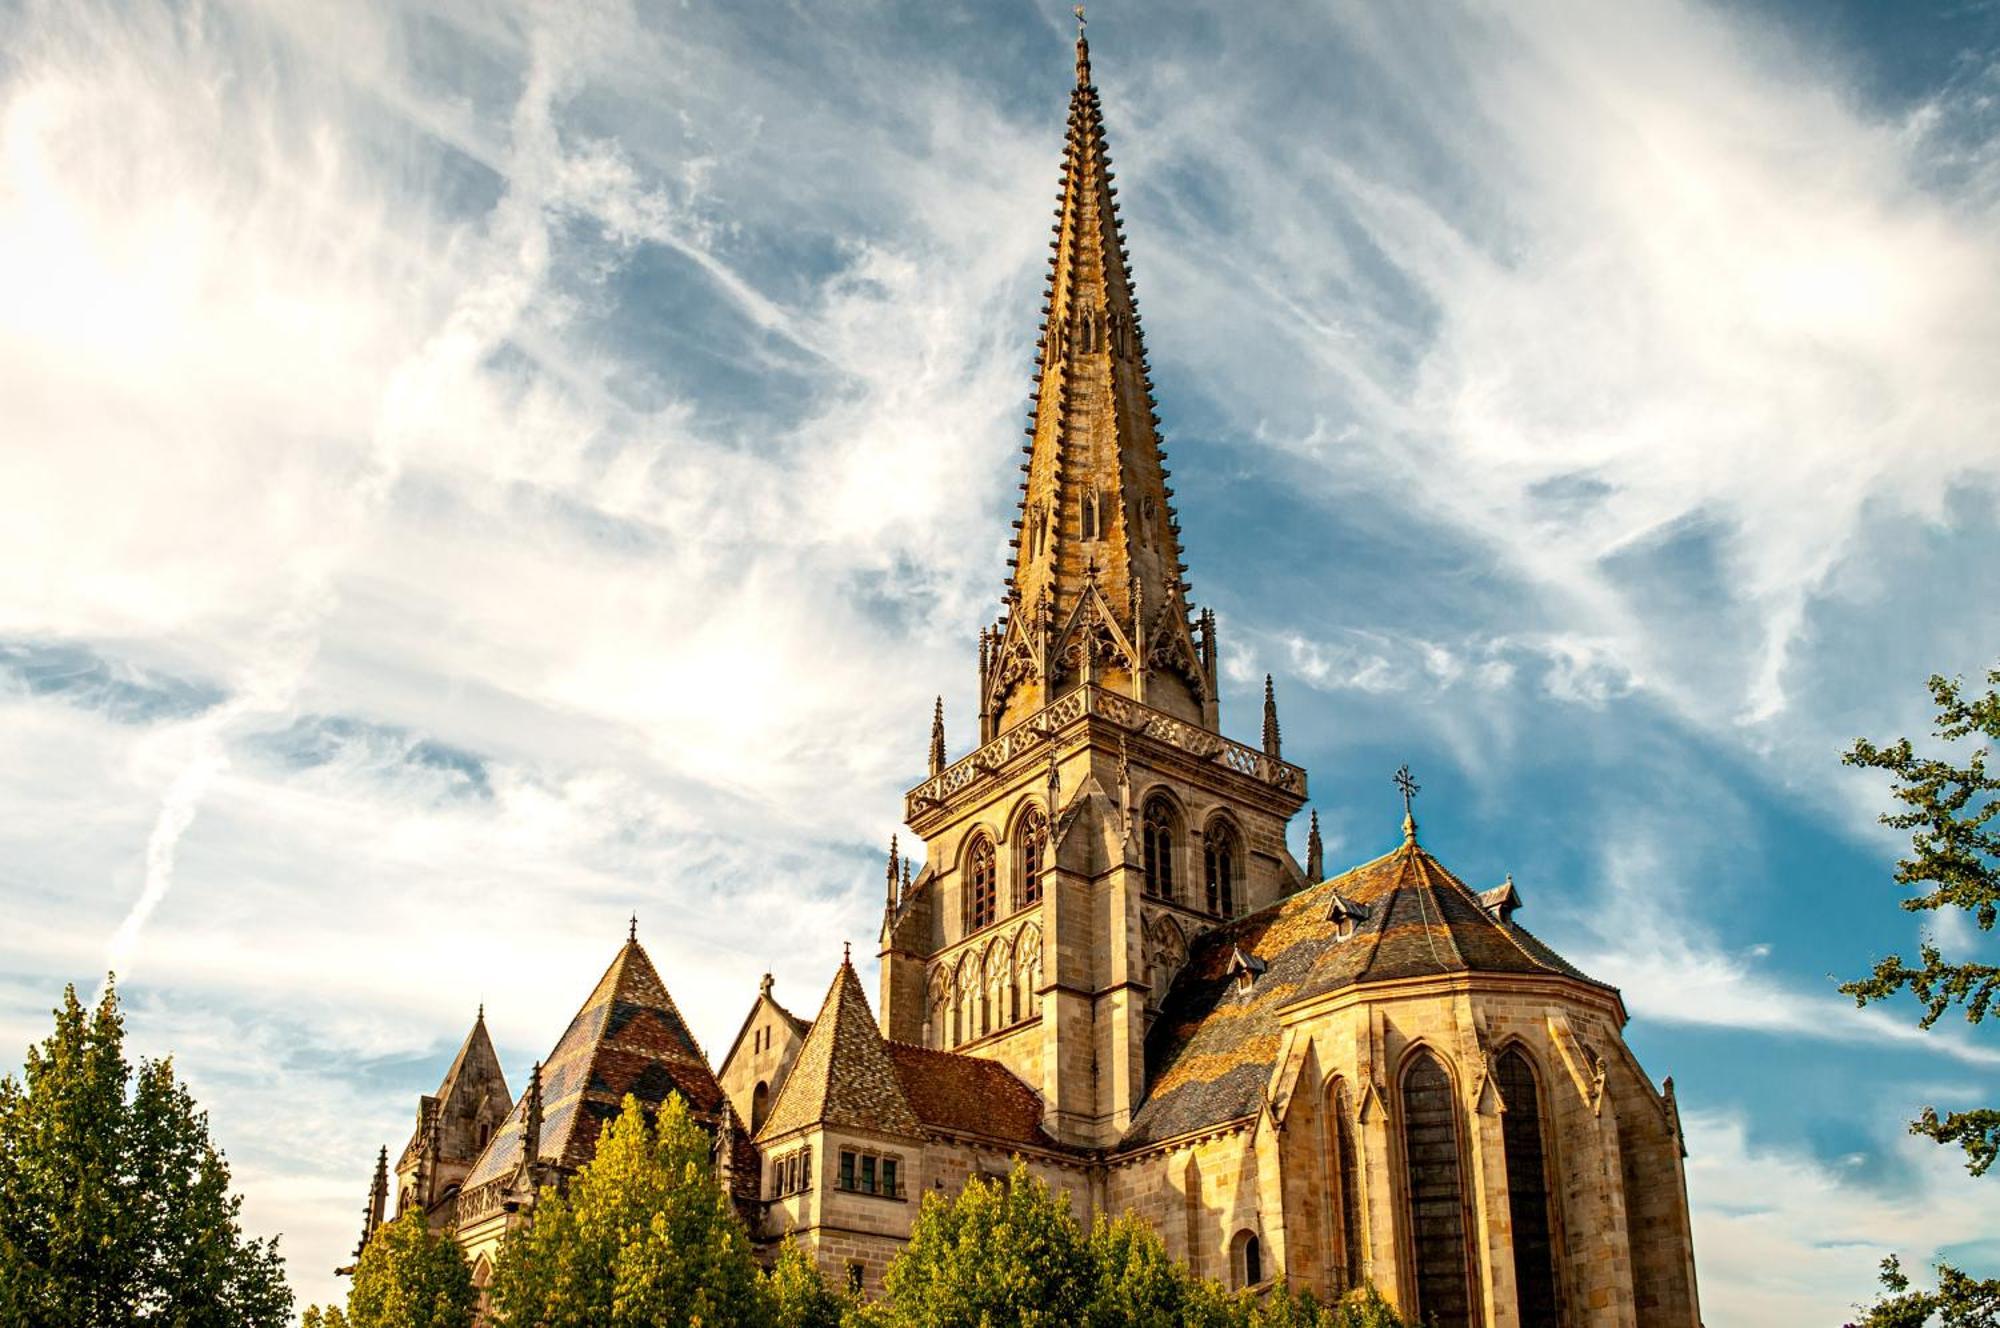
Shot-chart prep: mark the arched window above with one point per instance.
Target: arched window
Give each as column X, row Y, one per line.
column 1347, row 1182
column 760, row 1105
column 979, row 894
column 1248, row 1257
column 1028, row 973
column 1159, row 829
column 1032, row 855
column 1437, row 1195
column 1527, row 1189
column 1222, row 853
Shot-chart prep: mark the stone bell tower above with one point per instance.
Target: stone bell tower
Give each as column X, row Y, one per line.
column 1103, row 821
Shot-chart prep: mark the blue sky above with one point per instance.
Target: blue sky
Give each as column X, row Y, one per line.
column 472, row 473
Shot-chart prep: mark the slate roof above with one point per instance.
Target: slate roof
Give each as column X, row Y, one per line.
column 843, row 1074
column 969, row 1095
column 629, row 1037
column 1212, row 1049
column 476, row 1059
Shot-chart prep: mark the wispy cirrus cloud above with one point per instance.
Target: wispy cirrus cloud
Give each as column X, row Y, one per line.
column 489, row 469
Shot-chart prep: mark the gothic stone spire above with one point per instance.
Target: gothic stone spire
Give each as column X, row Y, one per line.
column 1098, row 590
column 1272, row 747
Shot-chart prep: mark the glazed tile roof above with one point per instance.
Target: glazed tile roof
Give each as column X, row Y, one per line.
column 949, row 1090
column 628, row 1038
column 1211, row 1050
column 843, row 1075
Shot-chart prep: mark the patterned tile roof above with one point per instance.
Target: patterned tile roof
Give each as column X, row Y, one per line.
column 1211, row 1051
column 843, row 1074
column 628, row 1038
column 969, row 1095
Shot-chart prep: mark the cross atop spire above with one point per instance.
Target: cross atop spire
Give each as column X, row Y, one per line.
column 632, row 932
column 1409, row 788
column 1097, row 591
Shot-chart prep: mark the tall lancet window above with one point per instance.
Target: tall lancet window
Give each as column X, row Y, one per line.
column 1221, row 852
column 1347, row 1181
column 979, row 891
column 1437, row 1195
column 1527, row 1190
column 1159, row 828
column 1031, row 853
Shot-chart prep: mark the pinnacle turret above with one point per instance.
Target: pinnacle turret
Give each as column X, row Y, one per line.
column 1271, row 739
column 937, row 738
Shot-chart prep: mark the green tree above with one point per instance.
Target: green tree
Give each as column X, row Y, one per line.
column 798, row 1296
column 1954, row 863
column 115, row 1204
column 644, row 1236
column 1959, row 1300
column 410, row 1276
column 329, row 1317
column 999, row 1253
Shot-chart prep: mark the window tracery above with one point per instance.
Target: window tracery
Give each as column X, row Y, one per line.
column 979, row 885
column 1159, row 829
column 1031, row 853
column 1222, row 854
column 1436, row 1194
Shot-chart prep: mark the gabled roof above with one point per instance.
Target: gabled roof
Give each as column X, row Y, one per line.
column 475, row 1063
column 764, row 996
column 964, row 1094
column 843, row 1074
column 1212, row 1048
column 629, row 1037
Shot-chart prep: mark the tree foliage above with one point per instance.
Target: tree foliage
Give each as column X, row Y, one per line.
column 1011, row 1252
column 643, row 1236
column 997, row 1253
column 410, row 1276
column 115, row 1204
column 1954, row 863
column 798, row 1297
column 330, row 1316
column 1960, row 1301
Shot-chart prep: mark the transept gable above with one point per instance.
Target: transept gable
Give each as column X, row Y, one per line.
column 474, row 1090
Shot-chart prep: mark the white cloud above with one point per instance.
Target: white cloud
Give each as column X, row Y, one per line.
column 1784, row 1237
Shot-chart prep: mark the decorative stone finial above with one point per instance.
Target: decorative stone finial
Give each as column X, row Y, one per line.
column 846, row 956
column 1315, row 851
column 894, row 870
column 937, row 738
column 1271, row 743
column 764, row 985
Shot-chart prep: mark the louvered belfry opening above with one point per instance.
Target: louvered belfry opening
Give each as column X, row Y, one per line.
column 1437, row 1195
column 1528, row 1193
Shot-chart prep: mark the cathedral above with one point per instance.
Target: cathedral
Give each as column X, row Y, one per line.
column 1104, row 961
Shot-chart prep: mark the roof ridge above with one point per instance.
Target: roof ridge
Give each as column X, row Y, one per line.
column 1507, row 931
column 1428, row 889
column 843, row 1045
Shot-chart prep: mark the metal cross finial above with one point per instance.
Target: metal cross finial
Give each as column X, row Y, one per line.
column 1080, row 20
column 1408, row 785
column 632, row 932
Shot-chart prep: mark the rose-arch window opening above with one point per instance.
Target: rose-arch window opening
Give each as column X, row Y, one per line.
column 979, row 891
column 1033, row 856
column 1158, row 830
column 1527, row 1190
column 1436, row 1195
column 1222, row 852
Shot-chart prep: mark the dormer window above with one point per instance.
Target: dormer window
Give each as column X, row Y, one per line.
column 1345, row 914
column 1244, row 969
